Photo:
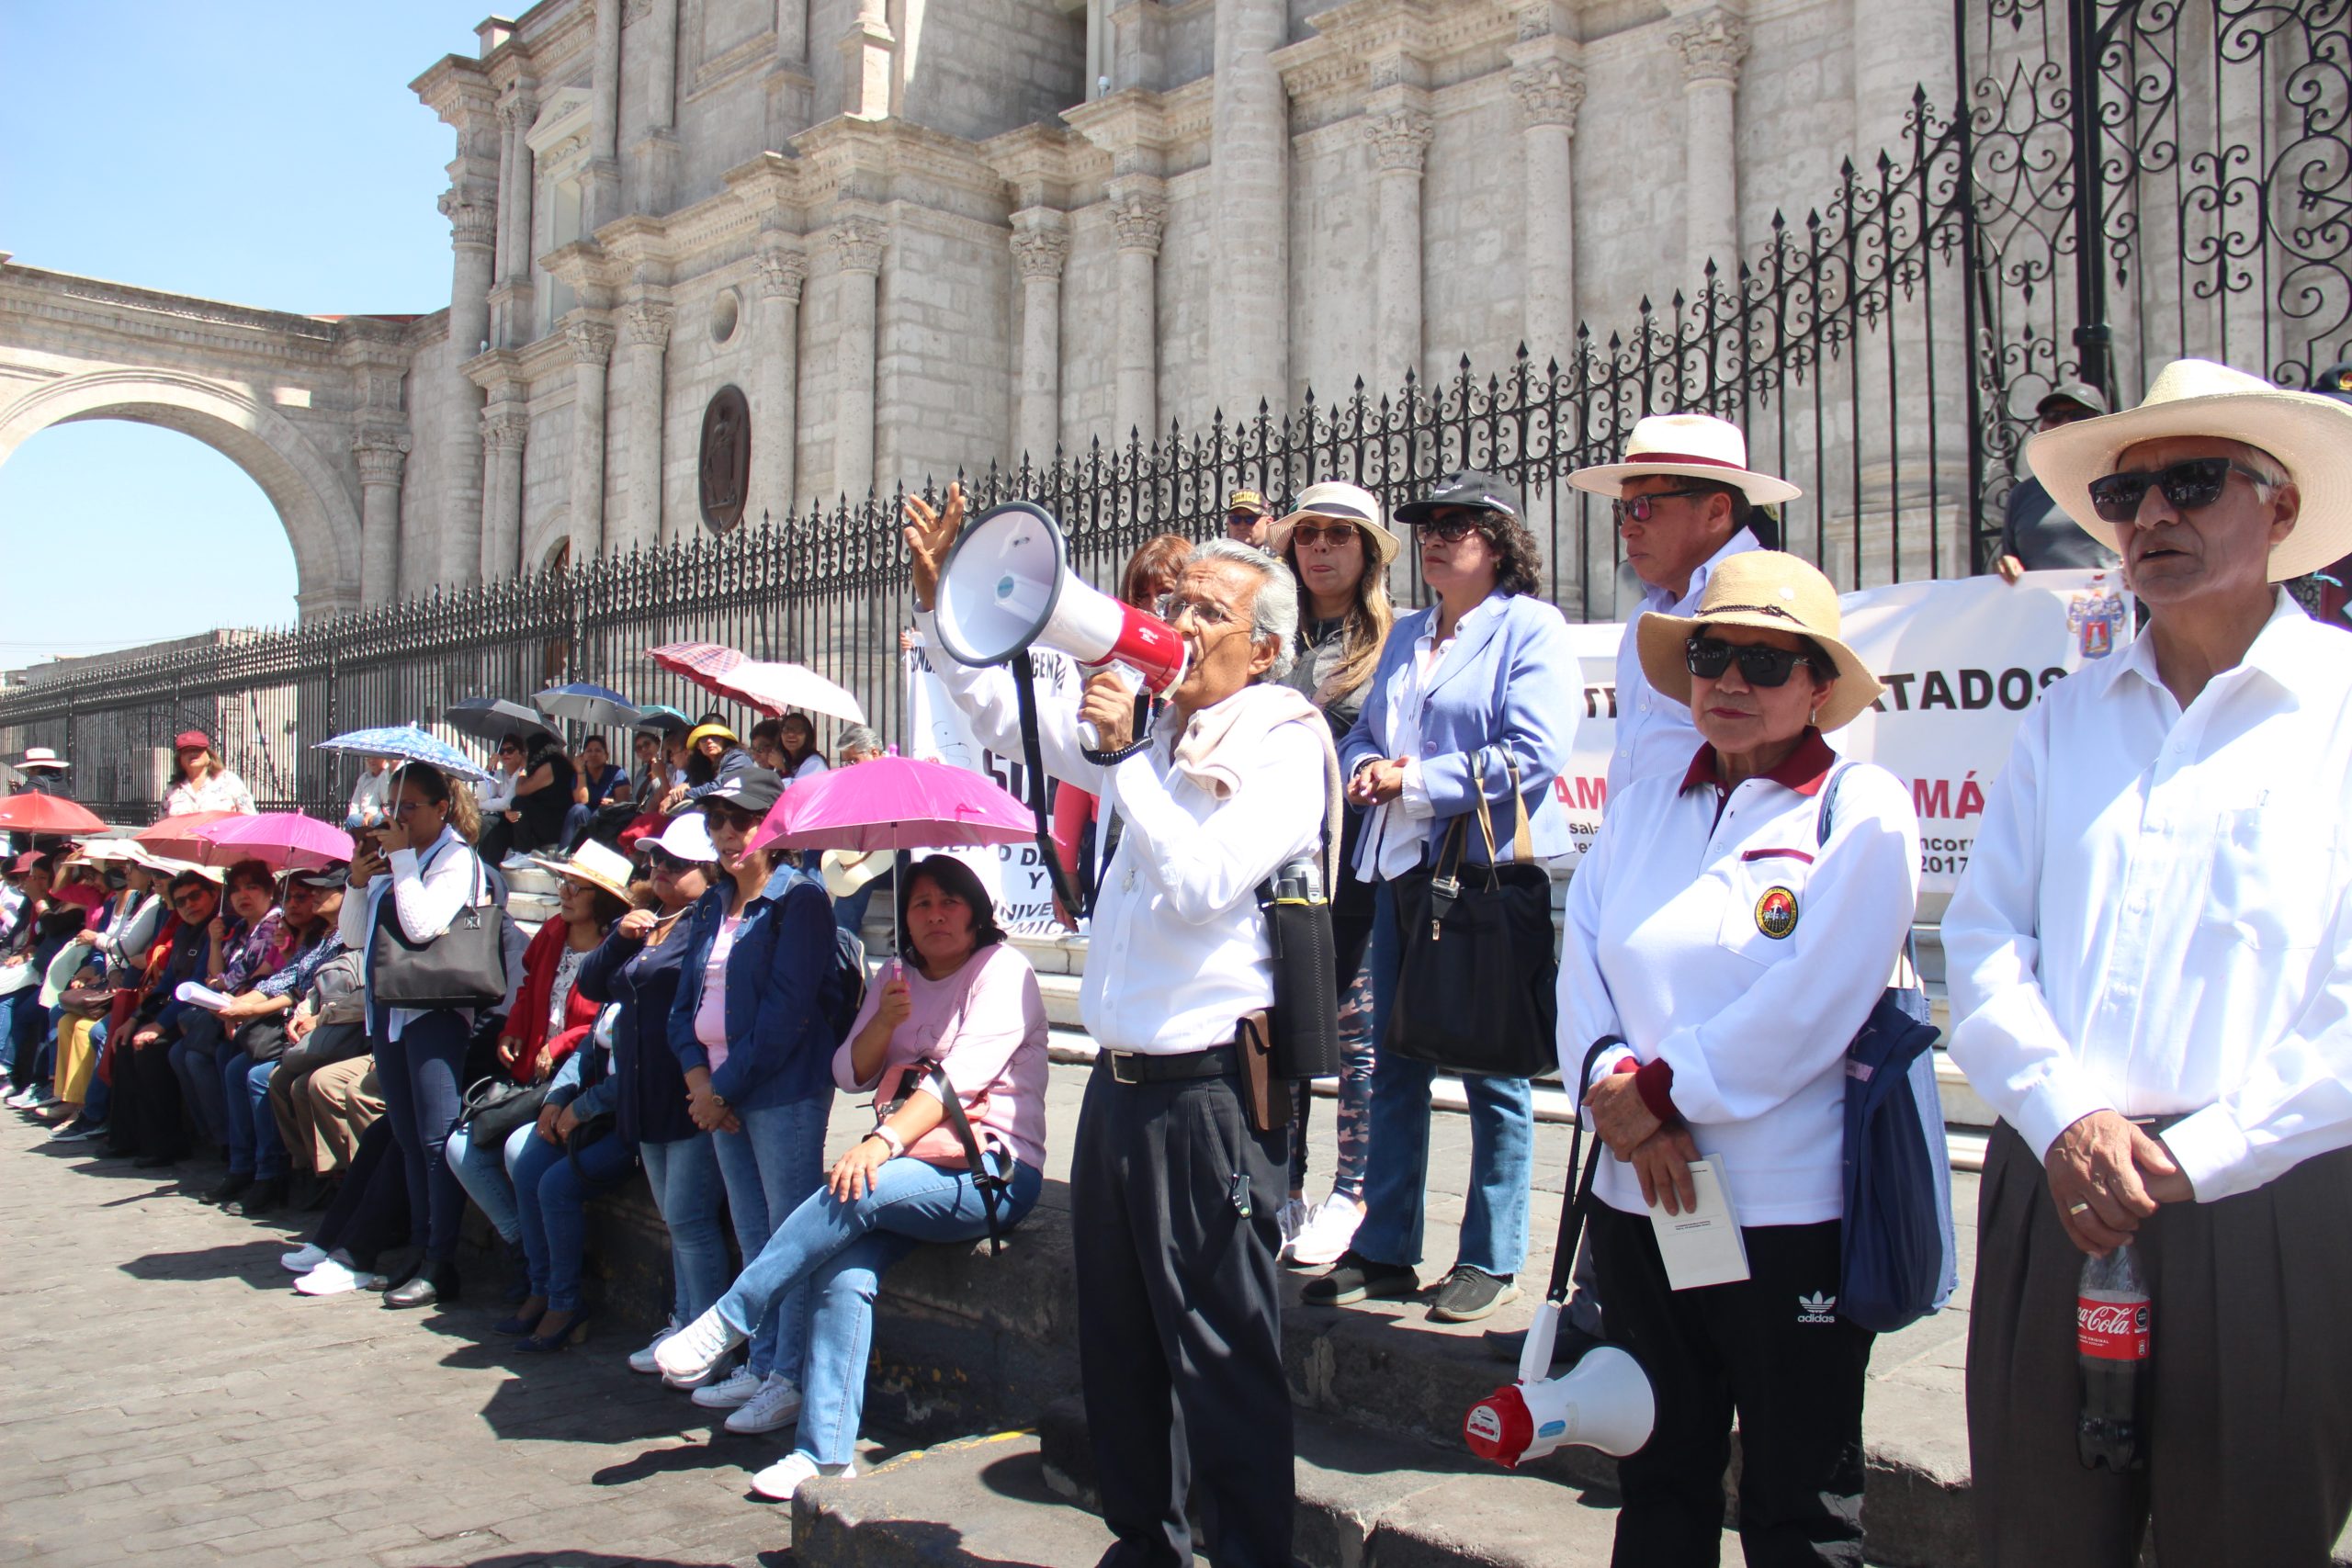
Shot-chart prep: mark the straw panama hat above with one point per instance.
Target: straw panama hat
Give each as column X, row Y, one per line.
column 1688, row 445
column 2308, row 432
column 1777, row 592
column 1342, row 503
column 594, row 863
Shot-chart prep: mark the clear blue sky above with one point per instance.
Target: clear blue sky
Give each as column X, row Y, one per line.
column 263, row 152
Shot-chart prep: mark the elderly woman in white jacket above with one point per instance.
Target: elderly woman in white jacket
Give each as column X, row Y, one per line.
column 422, row 869
column 1725, row 937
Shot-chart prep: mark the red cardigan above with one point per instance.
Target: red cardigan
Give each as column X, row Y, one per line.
column 527, row 1024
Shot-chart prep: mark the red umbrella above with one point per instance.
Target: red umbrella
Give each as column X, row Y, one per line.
column 175, row 837
column 283, row 840
column 31, row 813
column 775, row 689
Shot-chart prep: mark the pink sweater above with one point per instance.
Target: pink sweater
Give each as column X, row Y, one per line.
column 997, row 1049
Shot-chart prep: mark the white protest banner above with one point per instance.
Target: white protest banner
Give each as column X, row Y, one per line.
column 1014, row 876
column 1961, row 659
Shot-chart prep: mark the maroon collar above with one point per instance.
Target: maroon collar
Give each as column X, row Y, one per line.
column 1804, row 770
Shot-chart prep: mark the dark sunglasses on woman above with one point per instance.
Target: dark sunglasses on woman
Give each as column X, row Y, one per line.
column 1708, row 657
column 2187, row 485
column 1452, row 530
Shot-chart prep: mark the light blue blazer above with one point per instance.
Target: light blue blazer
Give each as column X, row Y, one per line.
column 1513, row 684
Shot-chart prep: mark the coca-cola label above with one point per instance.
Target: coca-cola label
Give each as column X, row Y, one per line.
column 2111, row 1327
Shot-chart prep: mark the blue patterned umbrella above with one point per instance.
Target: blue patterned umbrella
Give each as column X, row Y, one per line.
column 407, row 743
column 582, row 701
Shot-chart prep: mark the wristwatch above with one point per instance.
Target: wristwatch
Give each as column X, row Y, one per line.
column 890, row 1140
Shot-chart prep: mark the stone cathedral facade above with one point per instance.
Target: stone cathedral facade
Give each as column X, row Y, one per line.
column 912, row 235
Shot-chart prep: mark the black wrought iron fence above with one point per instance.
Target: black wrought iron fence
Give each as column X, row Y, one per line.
column 1883, row 352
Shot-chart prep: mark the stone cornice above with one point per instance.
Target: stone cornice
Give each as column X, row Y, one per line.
column 882, row 161
column 1132, row 126
column 496, row 370
column 584, row 266
column 456, row 89
column 37, row 294
column 1041, row 162
column 1396, row 38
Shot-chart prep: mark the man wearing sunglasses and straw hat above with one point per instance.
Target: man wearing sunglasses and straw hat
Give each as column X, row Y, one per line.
column 1684, row 501
column 2151, row 965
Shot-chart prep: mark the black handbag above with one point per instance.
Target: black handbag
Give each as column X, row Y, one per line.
column 464, row 966
column 494, row 1107
column 1474, row 983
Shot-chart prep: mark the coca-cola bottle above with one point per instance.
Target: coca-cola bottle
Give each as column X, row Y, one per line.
column 2111, row 1345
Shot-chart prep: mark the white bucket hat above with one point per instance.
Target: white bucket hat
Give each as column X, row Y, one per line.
column 2311, row 435
column 594, row 863
column 1338, row 502
column 1688, row 445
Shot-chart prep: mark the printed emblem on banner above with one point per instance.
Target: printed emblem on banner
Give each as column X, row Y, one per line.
column 2093, row 615
column 1776, row 912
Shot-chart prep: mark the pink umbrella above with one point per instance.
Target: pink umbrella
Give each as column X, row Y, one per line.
column 773, row 688
column 283, row 840
column 894, row 803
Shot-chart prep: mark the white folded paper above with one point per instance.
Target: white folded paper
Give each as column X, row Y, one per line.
column 211, row 1000
column 1701, row 1245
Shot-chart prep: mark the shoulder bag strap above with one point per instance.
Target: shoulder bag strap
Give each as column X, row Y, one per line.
column 991, row 1186
column 1906, row 963
column 1563, row 1256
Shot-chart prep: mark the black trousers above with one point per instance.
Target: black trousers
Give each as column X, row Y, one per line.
column 370, row 1215
column 1771, row 1349
column 2250, row 1420
column 1174, row 1204
column 147, row 1116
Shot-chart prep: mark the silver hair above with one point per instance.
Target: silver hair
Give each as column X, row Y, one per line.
column 857, row 737
column 1273, row 612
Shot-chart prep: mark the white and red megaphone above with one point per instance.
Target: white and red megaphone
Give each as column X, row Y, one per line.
column 1603, row 1402
column 1006, row 585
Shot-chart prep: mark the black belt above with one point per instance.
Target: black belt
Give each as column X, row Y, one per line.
column 1139, row 1066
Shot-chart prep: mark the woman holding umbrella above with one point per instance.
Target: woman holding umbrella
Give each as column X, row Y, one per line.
column 420, row 870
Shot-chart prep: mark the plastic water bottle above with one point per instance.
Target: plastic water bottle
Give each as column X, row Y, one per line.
column 2111, row 1342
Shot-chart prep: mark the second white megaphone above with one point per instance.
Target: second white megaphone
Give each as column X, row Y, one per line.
column 1604, row 1402
column 1006, row 585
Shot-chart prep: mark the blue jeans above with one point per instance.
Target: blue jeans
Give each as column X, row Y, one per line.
column 684, row 1178
column 841, row 1249
column 196, row 1062
column 1502, row 1141
column 773, row 1163
column 254, row 1147
column 488, row 1176
column 418, row 1076
column 552, row 1192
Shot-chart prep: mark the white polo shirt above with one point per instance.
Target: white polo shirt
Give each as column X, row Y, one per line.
column 1736, row 955
column 1655, row 735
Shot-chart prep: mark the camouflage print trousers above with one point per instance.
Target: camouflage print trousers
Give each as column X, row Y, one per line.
column 1355, row 1096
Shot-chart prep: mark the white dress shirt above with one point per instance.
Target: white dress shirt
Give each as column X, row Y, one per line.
column 220, row 791
column 427, row 890
column 2153, row 919
column 1655, row 735
column 1396, row 831
column 1666, row 944
column 1176, row 948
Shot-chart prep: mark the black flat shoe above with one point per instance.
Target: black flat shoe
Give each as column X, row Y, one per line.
column 260, row 1198
column 231, row 1184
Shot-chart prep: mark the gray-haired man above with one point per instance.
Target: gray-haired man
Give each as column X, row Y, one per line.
column 1175, row 1196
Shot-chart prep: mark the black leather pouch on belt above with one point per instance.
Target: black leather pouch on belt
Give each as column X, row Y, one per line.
column 1264, row 1093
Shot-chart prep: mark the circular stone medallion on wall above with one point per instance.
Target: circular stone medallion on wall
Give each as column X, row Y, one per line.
column 726, row 466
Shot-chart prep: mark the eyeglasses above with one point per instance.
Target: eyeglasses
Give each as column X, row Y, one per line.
column 1304, row 535
column 1708, row 657
column 1452, row 530
column 1640, row 507
column 407, row 807
column 1201, row 610
column 2187, row 485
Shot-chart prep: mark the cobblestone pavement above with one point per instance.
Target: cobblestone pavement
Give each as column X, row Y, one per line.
column 170, row 1400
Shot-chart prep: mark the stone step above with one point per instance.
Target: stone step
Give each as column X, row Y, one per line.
column 531, row 879
column 980, row 1500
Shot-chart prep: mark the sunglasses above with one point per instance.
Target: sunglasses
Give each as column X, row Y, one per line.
column 1304, row 535
column 1641, row 508
column 1708, row 657
column 728, row 817
column 1452, row 530
column 2187, row 485
column 663, row 860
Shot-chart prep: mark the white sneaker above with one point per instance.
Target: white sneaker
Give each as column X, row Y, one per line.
column 701, row 1345
column 776, row 1404
column 335, row 1277
column 1291, row 1220
column 729, row 1393
column 642, row 1360
column 1327, row 1233
column 783, row 1478
column 308, row 1256
column 23, row 1099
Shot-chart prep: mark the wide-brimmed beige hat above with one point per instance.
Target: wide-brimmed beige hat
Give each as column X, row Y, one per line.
column 1338, row 502
column 1691, row 446
column 2310, row 435
column 594, row 863
column 1778, row 592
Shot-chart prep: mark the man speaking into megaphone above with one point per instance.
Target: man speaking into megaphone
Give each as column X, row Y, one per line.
column 1174, row 1192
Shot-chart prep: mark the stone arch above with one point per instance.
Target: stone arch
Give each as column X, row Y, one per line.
column 308, row 487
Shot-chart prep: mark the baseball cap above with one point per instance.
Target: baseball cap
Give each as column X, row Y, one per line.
column 187, row 737
column 687, row 838
column 2081, row 393
column 333, row 875
column 753, row 790
column 1469, row 487
column 1248, row 500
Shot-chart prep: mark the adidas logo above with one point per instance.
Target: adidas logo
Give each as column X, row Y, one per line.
column 1816, row 1309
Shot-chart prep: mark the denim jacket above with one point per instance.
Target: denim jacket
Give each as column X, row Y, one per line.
column 779, row 979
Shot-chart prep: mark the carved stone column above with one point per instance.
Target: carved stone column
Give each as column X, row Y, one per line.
column 776, row 384
column 1401, row 140
column 656, row 153
column 1711, row 45
column 474, row 220
column 505, row 428
column 1250, row 174
column 1040, row 246
column 591, row 352
column 513, row 316
column 858, row 246
column 1550, row 90
column 381, row 452
column 603, row 194
column 1140, row 211
column 642, row 391
column 868, row 52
